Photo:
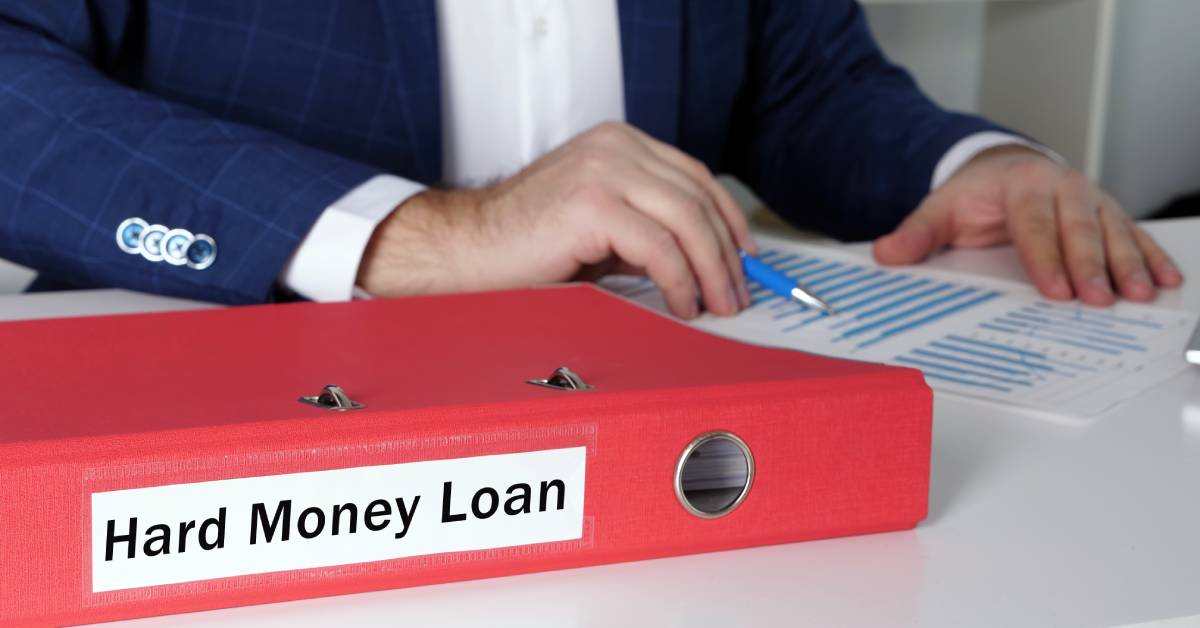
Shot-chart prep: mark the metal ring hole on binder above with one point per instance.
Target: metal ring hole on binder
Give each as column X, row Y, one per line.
column 714, row 474
column 332, row 398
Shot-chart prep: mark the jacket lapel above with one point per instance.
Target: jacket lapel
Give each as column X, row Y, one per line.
column 411, row 28
column 651, row 59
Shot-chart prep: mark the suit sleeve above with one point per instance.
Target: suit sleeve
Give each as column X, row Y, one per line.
column 81, row 151
column 832, row 135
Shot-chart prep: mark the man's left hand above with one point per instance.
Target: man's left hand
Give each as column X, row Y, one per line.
column 1073, row 238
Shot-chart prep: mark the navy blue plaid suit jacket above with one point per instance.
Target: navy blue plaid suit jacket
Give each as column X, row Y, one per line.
column 244, row 119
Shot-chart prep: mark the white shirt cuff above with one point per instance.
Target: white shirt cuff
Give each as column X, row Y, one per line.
column 325, row 265
column 969, row 147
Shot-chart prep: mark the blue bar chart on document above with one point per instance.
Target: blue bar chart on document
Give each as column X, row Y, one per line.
column 974, row 336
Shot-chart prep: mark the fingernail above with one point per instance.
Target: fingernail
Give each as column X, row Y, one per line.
column 1060, row 286
column 1140, row 278
column 1101, row 283
column 693, row 309
column 1172, row 272
column 744, row 293
column 732, row 300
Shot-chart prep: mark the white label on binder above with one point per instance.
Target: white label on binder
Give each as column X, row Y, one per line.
column 187, row 532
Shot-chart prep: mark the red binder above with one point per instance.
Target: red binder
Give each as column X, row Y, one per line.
column 455, row 468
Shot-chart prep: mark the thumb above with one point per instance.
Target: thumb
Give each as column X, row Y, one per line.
column 924, row 231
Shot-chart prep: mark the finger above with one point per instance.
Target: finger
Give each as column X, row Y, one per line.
column 727, row 216
column 734, row 217
column 1166, row 273
column 1082, row 239
column 732, row 212
column 1034, row 232
column 683, row 215
column 641, row 242
column 691, row 176
column 729, row 250
column 1125, row 261
column 924, row 231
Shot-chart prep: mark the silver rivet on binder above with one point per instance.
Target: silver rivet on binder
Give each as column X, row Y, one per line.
column 332, row 398
column 563, row 378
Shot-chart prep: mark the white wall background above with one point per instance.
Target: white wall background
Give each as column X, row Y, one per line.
column 1152, row 148
column 1148, row 134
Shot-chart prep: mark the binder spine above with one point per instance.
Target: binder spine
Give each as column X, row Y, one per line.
column 828, row 462
column 39, row 547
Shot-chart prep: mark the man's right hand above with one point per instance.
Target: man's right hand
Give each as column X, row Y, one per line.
column 612, row 199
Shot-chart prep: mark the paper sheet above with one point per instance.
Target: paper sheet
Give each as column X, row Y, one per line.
column 972, row 336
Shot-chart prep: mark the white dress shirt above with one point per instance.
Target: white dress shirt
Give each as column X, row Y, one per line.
column 519, row 78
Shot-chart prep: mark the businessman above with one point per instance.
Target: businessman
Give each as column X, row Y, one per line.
column 232, row 150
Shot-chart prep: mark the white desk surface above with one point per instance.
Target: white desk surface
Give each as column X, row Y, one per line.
column 1031, row 523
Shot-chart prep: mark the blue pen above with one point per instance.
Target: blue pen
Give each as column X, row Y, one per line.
column 781, row 284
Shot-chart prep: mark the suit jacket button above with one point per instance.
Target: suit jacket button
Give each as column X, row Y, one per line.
column 175, row 245
column 129, row 235
column 152, row 238
column 201, row 252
